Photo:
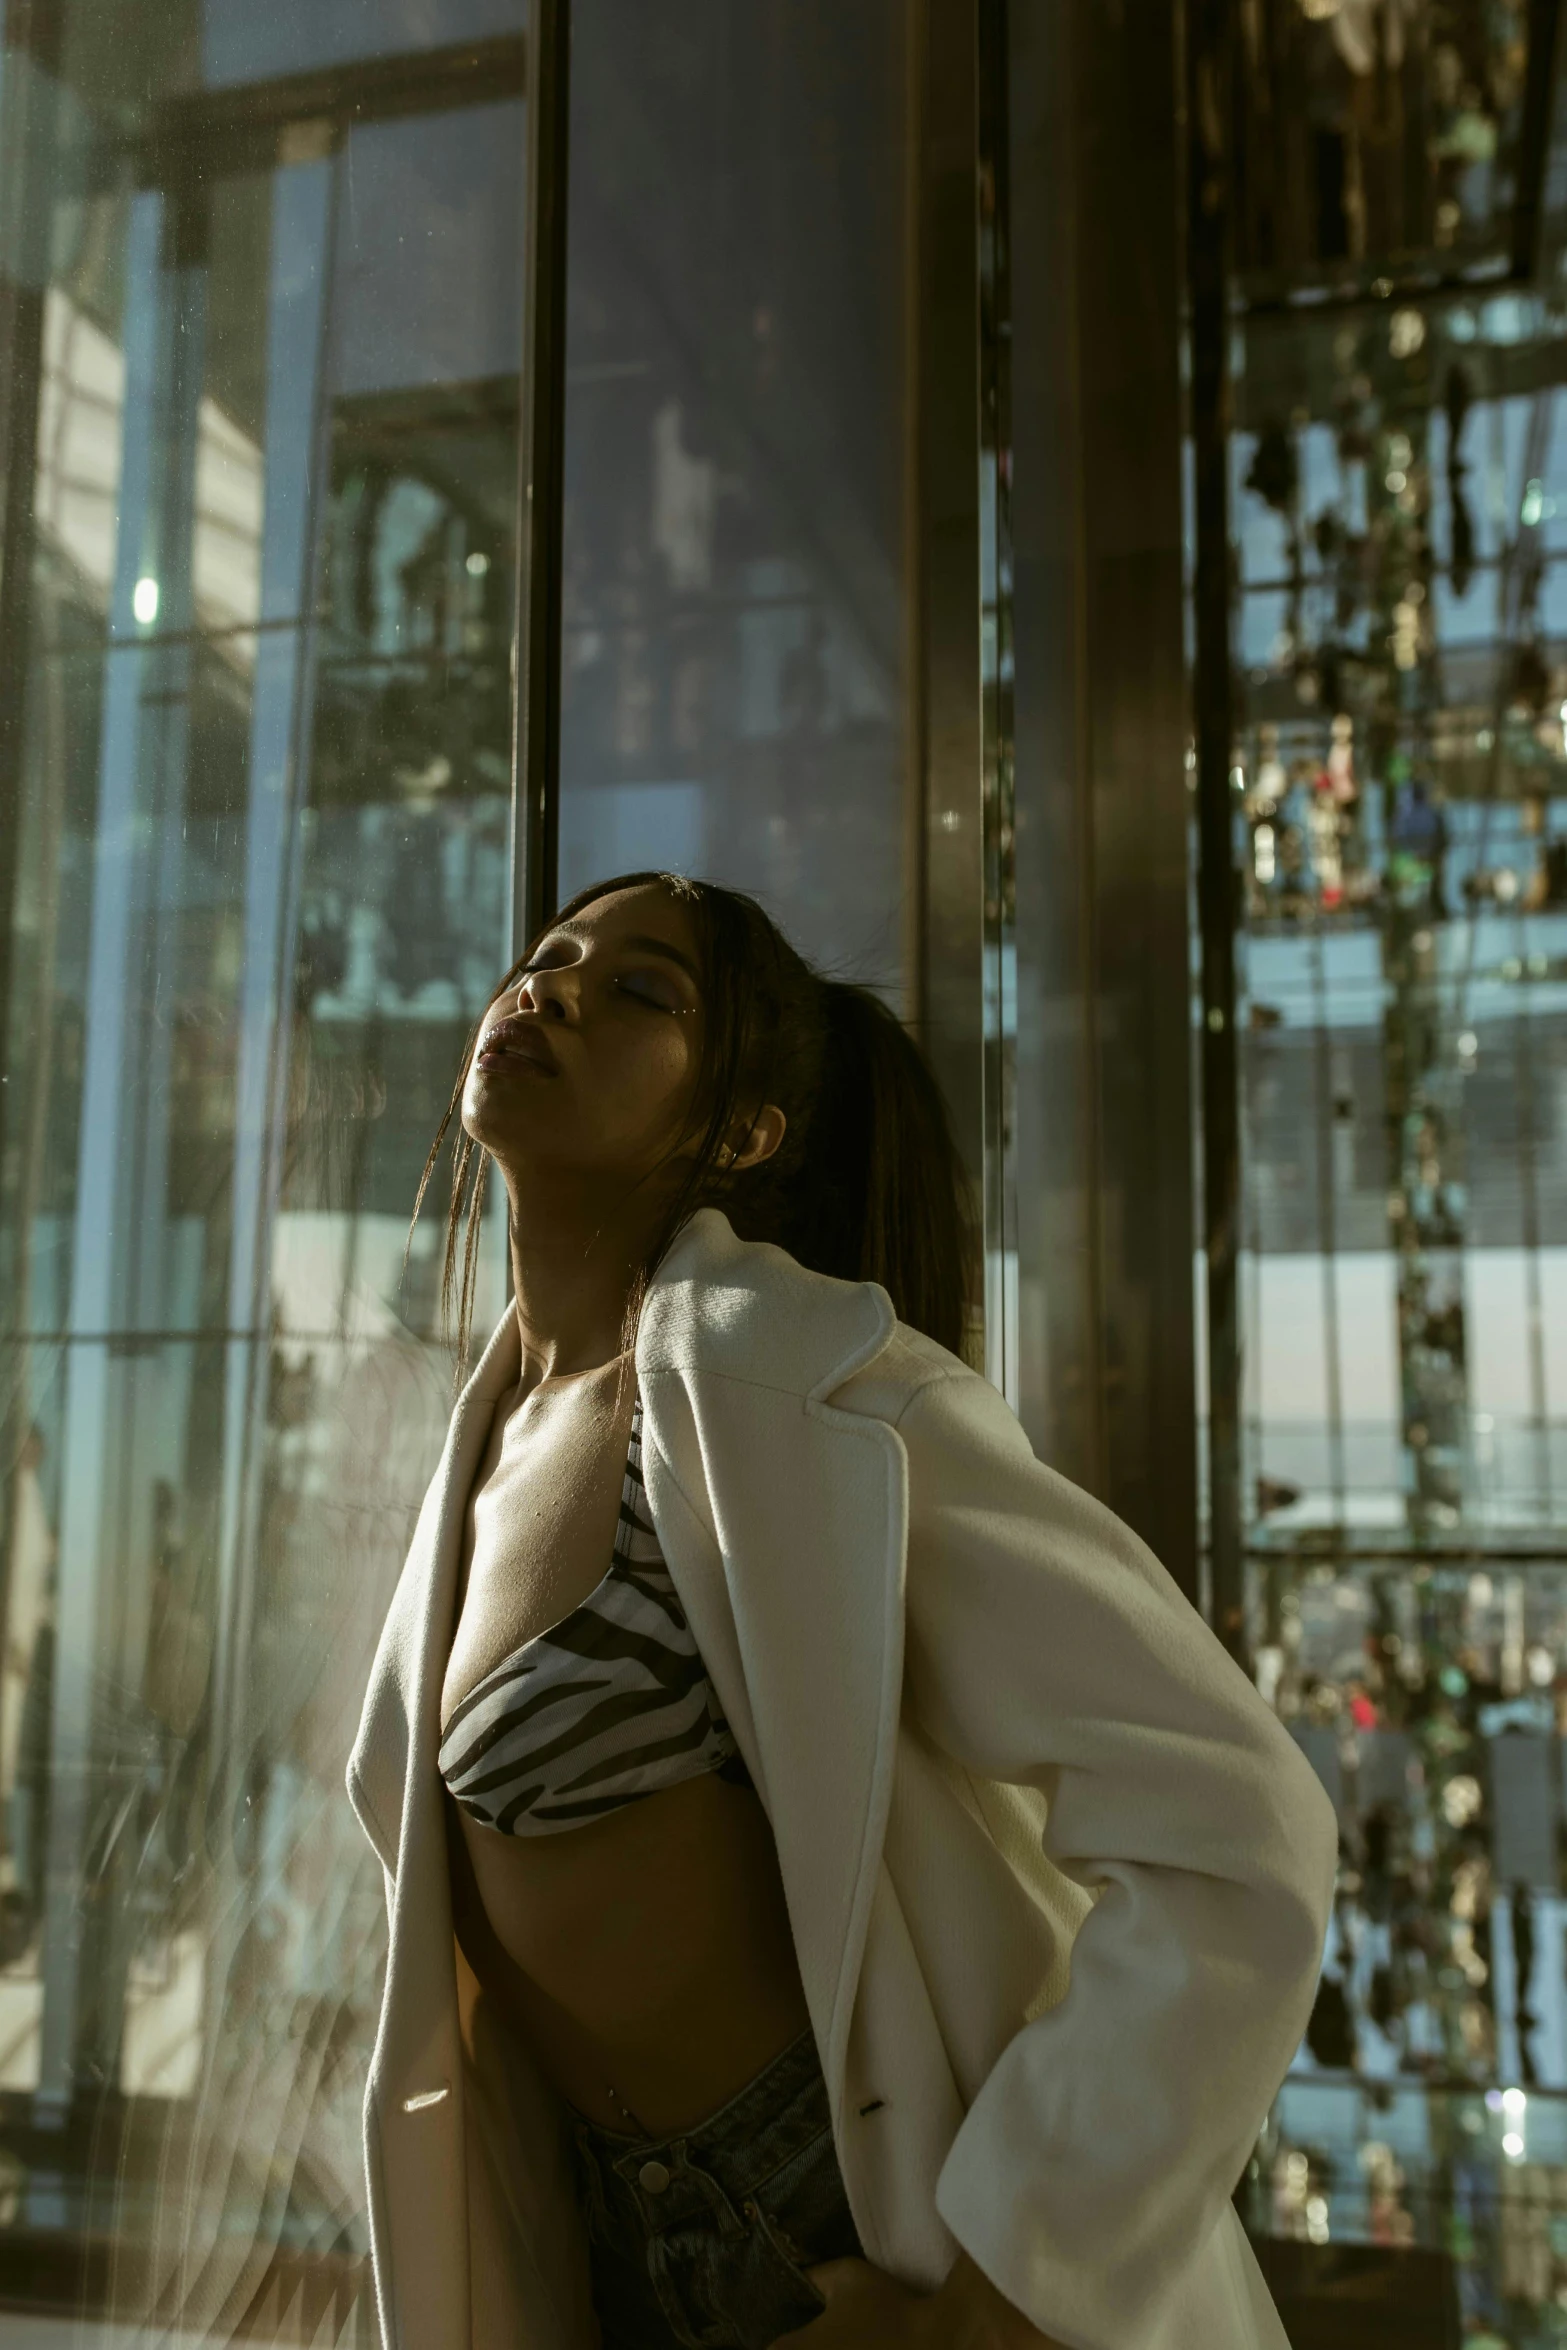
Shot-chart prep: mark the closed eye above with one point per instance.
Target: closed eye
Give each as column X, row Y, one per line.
column 648, row 986
column 652, row 989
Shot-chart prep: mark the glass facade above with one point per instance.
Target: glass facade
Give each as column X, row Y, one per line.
column 264, row 410
column 263, row 344
column 738, row 582
column 262, row 338
column 1398, row 796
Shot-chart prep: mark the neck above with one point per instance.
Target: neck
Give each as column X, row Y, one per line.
column 573, row 1260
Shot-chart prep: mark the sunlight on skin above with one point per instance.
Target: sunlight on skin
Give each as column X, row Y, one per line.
column 585, row 1115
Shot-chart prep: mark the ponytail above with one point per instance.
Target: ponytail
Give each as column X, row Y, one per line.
column 867, row 1184
column 909, row 1219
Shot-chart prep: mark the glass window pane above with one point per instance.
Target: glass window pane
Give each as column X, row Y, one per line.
column 1400, row 796
column 241, row 42
column 265, row 541
column 737, row 580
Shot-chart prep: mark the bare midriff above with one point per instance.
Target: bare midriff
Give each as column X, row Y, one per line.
column 646, row 1955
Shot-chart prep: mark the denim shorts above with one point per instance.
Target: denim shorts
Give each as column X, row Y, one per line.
column 703, row 2240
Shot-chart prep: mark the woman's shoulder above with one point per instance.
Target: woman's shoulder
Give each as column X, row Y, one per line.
column 727, row 1308
column 723, row 1307
column 910, row 1366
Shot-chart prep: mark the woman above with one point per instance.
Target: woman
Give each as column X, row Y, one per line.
column 875, row 1912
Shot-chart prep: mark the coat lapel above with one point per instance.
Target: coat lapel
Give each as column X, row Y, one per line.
column 783, row 1520
column 416, row 2134
column 402, row 1698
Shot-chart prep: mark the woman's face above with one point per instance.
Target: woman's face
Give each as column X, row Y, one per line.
column 587, row 1066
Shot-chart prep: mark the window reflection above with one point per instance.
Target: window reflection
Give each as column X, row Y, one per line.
column 261, row 893
column 736, row 626
column 241, row 43
column 1400, row 801
column 1370, row 134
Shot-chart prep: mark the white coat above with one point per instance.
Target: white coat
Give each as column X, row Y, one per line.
column 1057, row 1879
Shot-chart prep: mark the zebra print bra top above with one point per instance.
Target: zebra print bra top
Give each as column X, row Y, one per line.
column 609, row 1705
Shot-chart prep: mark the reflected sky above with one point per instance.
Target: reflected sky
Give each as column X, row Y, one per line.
column 244, row 42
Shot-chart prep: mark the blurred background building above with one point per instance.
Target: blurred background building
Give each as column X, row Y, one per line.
column 1070, row 506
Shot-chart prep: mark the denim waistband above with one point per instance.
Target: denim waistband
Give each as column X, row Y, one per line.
column 763, row 2126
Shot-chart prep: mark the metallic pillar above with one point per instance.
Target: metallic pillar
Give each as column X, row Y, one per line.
column 536, row 754
column 952, row 981
column 1208, row 37
column 1104, row 1099
column 998, row 773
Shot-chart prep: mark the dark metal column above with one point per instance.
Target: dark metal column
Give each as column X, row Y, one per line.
column 1207, row 90
column 998, row 773
column 1104, row 1130
column 536, row 736
column 952, row 981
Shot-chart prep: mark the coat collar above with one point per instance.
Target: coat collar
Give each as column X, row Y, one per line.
column 742, row 1309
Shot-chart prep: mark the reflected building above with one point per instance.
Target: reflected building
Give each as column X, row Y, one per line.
column 262, row 308
column 264, row 336
column 737, row 562
column 1397, row 795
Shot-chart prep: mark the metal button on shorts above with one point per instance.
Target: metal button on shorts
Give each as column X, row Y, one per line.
column 710, row 2237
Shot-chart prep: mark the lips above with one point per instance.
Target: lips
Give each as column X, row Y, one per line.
column 517, row 1040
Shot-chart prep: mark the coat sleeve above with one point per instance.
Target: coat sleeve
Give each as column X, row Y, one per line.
column 1048, row 1648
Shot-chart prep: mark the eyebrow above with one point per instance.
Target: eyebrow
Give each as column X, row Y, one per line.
column 642, row 941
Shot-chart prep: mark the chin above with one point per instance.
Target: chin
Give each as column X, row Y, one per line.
column 495, row 1124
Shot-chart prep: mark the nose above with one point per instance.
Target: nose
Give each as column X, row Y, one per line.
column 550, row 994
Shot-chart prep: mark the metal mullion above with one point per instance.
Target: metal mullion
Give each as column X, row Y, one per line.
column 1208, row 52
column 209, row 133
column 997, row 779
column 536, row 672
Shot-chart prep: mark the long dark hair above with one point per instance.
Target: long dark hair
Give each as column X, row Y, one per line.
column 866, row 1184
